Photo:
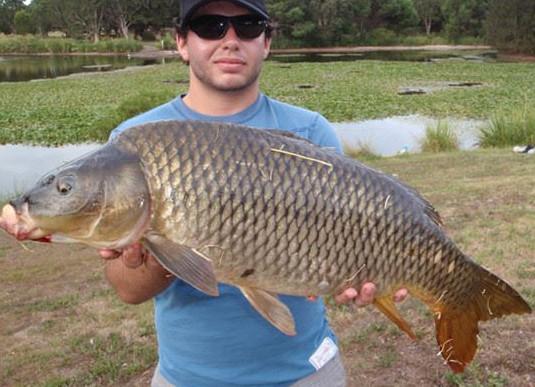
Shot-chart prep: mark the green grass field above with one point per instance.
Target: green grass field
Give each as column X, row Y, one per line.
column 61, row 325
column 82, row 108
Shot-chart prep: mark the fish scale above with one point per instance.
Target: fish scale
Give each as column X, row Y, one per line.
column 225, row 203
column 271, row 214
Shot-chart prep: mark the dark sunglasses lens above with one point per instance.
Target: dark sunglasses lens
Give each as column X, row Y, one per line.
column 248, row 27
column 209, row 26
column 214, row 27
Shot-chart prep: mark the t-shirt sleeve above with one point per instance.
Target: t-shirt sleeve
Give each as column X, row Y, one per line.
column 323, row 134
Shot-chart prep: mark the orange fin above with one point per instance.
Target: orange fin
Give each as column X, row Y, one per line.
column 457, row 327
column 456, row 336
column 386, row 305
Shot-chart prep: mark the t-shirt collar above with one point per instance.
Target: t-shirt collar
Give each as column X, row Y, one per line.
column 239, row 117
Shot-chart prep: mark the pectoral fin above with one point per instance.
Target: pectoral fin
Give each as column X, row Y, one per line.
column 271, row 308
column 184, row 262
column 386, row 305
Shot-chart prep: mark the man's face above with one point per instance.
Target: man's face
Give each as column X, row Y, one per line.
column 227, row 64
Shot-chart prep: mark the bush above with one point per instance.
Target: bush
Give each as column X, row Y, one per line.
column 167, row 42
column 440, row 138
column 23, row 22
column 32, row 45
column 148, row 36
column 422, row 40
column 383, row 37
column 509, row 129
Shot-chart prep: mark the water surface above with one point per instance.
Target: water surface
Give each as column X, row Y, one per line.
column 25, row 68
column 394, row 135
column 21, row 165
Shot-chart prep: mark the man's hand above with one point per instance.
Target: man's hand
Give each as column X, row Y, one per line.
column 132, row 256
column 366, row 295
column 135, row 274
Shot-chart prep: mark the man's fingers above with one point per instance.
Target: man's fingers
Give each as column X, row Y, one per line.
column 346, row 296
column 401, row 295
column 132, row 256
column 108, row 253
column 367, row 294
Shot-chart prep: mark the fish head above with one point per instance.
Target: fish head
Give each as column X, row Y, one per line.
column 101, row 200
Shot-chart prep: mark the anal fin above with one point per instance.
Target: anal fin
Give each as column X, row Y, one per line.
column 386, row 305
column 184, row 262
column 271, row 308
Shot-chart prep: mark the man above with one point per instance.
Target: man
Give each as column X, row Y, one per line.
column 221, row 341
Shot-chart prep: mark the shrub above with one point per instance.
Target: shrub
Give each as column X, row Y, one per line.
column 383, row 37
column 167, row 42
column 439, row 138
column 508, row 129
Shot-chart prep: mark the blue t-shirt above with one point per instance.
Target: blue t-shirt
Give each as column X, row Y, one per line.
column 206, row 341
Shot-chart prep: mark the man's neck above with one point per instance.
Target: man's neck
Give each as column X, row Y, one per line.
column 220, row 103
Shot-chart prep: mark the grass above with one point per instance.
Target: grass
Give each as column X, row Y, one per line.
column 68, row 328
column 28, row 44
column 439, row 138
column 61, row 325
column 79, row 109
column 484, row 199
column 360, row 152
column 516, row 127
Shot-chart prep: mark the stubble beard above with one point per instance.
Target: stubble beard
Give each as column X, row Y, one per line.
column 207, row 80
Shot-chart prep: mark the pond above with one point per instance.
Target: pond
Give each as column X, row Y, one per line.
column 397, row 55
column 21, row 165
column 25, row 68
column 402, row 134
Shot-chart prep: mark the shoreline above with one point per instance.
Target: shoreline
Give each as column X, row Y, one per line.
column 150, row 52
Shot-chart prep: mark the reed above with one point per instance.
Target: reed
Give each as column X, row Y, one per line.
column 508, row 129
column 440, row 138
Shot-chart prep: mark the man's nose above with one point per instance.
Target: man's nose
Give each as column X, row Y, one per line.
column 231, row 38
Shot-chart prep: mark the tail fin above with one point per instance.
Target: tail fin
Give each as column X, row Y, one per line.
column 457, row 328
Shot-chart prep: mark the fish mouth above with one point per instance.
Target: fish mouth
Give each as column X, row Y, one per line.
column 21, row 225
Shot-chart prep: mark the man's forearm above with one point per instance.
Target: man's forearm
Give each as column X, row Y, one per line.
column 138, row 285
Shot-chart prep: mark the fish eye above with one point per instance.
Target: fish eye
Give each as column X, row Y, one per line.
column 65, row 186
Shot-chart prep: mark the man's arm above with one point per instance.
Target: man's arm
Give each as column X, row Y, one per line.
column 134, row 274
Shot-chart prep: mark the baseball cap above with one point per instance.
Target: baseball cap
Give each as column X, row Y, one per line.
column 188, row 8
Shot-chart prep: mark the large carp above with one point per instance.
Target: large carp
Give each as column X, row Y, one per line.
column 268, row 212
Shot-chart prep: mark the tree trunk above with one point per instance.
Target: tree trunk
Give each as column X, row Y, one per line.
column 123, row 26
column 428, row 22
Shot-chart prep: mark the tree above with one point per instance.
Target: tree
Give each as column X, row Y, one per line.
column 8, row 9
column 511, row 25
column 464, row 17
column 41, row 17
column 23, row 22
column 428, row 11
column 124, row 13
column 79, row 18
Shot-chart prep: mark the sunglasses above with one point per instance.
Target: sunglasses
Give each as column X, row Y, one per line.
column 215, row 27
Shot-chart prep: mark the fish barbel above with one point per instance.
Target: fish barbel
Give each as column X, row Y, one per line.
column 270, row 213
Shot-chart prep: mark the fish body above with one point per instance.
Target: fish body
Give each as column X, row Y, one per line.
column 271, row 213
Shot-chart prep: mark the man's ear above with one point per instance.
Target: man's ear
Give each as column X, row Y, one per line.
column 267, row 47
column 181, row 46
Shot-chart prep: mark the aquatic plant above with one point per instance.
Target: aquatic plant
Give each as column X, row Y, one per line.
column 440, row 138
column 510, row 128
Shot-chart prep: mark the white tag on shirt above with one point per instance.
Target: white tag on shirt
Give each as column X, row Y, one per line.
column 325, row 352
